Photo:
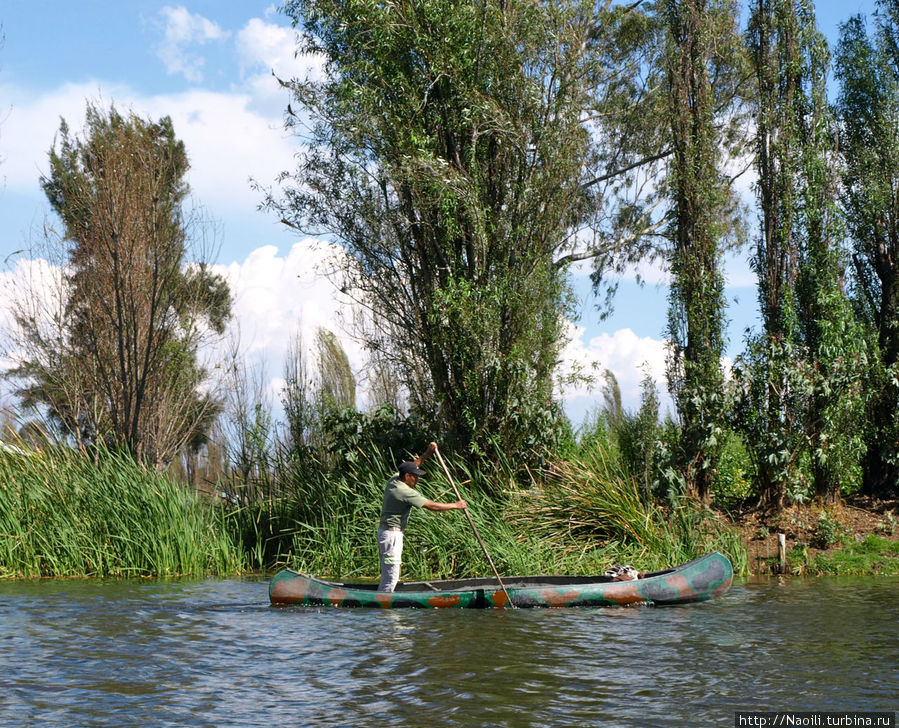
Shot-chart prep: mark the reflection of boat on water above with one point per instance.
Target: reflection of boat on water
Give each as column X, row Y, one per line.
column 698, row 580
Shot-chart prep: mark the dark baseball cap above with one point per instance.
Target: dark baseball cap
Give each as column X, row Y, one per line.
column 411, row 468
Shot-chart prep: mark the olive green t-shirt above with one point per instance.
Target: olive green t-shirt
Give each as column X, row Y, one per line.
column 398, row 501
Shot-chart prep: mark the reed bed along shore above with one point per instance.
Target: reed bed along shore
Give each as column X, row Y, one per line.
column 63, row 513
column 581, row 519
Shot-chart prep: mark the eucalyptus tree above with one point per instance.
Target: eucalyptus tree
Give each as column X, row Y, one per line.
column 703, row 65
column 118, row 359
column 867, row 69
column 448, row 148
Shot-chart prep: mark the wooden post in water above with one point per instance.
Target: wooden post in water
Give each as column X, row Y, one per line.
column 782, row 553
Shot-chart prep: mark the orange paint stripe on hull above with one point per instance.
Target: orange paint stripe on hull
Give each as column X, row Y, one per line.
column 445, row 602
column 336, row 596
column 288, row 592
column 499, row 599
column 558, row 599
column 677, row 581
column 624, row 594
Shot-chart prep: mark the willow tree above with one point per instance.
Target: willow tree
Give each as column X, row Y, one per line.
column 445, row 151
column 338, row 385
column 118, row 360
column 319, row 387
column 868, row 111
column 702, row 61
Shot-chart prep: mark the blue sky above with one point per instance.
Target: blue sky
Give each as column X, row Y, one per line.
column 209, row 66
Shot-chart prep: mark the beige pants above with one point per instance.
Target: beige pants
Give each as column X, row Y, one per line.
column 390, row 552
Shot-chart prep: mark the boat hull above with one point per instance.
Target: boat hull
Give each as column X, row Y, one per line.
column 704, row 578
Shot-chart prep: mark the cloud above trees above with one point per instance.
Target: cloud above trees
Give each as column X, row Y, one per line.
column 183, row 32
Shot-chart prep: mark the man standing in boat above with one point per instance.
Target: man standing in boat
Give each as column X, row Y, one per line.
column 399, row 498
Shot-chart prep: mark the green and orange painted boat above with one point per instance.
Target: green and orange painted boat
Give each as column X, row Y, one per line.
column 696, row 581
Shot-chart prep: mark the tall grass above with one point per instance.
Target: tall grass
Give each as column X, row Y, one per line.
column 63, row 513
column 581, row 519
column 589, row 509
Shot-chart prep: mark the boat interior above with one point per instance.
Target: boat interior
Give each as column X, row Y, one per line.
column 510, row 582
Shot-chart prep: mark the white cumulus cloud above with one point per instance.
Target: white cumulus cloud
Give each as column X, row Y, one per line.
column 628, row 356
column 266, row 45
column 276, row 298
column 183, row 30
column 228, row 143
column 268, row 52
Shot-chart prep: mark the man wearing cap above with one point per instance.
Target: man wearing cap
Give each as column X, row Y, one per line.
column 399, row 497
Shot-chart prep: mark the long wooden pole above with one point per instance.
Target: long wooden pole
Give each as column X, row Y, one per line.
column 475, row 529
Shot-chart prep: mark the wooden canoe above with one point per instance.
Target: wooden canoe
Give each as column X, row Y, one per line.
column 696, row 581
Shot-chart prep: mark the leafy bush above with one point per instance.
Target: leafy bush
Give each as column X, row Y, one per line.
column 828, row 531
column 734, row 480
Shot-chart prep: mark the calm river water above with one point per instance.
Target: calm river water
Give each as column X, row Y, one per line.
column 213, row 653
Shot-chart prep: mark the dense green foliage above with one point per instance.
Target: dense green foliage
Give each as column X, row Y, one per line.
column 700, row 63
column 63, row 513
column 868, row 110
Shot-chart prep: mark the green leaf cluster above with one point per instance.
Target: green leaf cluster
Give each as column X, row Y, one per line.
column 445, row 152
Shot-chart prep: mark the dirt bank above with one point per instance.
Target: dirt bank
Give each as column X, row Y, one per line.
column 813, row 530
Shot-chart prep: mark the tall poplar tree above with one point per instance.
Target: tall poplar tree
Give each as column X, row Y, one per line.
column 868, row 109
column 771, row 408
column 700, row 60
column 830, row 334
column 800, row 374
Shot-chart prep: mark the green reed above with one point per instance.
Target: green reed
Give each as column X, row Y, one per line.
column 63, row 513
column 581, row 519
column 588, row 510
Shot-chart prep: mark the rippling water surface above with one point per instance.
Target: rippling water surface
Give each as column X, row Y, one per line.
column 213, row 653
